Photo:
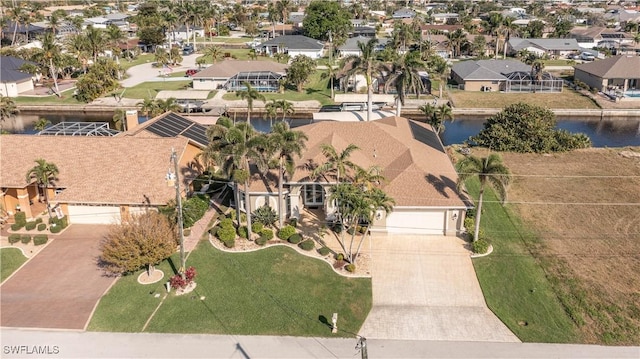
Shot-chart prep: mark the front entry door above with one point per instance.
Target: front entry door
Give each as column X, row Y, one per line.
column 313, row 195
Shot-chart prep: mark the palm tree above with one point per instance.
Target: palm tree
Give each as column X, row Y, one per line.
column 441, row 68
column 337, row 164
column 44, row 173
column 51, row 54
column 489, row 170
column 8, row 109
column 405, row 76
column 444, row 113
column 271, row 109
column 537, row 68
column 249, row 94
column 286, row 107
column 366, row 64
column 161, row 56
column 456, row 39
column 509, row 28
column 95, row 41
column 41, row 124
column 283, row 6
column 16, row 14
column 148, row 107
column 286, row 144
column 237, row 145
column 78, row 46
column 167, row 105
column 215, row 52
column 428, row 110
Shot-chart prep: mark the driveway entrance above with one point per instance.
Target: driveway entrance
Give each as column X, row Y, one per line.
column 59, row 287
column 425, row 288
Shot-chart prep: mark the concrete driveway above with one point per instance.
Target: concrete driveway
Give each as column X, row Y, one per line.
column 146, row 72
column 425, row 288
column 60, row 286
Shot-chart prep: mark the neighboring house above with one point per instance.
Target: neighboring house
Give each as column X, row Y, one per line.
column 350, row 47
column 618, row 73
column 554, row 48
column 590, row 37
column 445, row 18
column 363, row 31
column 181, row 33
column 218, row 75
column 404, row 13
column 22, row 31
column 100, row 179
column 13, row 82
column 419, row 175
column 98, row 22
column 620, row 17
column 293, row 45
column 501, row 75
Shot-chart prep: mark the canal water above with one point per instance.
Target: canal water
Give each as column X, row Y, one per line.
column 608, row 132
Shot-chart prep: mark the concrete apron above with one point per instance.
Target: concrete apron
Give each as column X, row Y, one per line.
column 425, row 288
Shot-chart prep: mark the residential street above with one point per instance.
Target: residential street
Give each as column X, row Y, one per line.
column 67, row 344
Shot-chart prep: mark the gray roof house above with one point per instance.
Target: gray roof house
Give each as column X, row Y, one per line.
column 541, row 47
column 618, row 74
column 404, row 13
column 501, row 75
column 293, row 45
column 13, row 82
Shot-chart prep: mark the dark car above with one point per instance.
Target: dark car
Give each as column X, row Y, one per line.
column 187, row 50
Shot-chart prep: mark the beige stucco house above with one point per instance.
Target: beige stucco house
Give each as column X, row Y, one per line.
column 620, row 74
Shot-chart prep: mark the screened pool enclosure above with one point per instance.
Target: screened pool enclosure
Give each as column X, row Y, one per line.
column 521, row 81
column 262, row 81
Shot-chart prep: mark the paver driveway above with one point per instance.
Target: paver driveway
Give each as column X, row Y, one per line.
column 425, row 288
column 59, row 287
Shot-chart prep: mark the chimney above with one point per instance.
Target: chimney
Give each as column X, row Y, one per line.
column 131, row 119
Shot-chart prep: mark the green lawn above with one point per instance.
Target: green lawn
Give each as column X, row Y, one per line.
column 227, row 40
column 513, row 282
column 126, row 64
column 151, row 89
column 66, row 99
column 11, row 259
column 566, row 99
column 274, row 291
column 239, row 54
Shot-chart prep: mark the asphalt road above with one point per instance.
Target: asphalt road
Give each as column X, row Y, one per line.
column 66, row 344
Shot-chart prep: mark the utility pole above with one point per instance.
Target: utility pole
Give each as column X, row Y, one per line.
column 331, row 63
column 176, row 178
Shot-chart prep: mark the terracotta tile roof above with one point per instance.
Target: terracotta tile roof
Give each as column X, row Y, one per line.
column 418, row 171
column 103, row 170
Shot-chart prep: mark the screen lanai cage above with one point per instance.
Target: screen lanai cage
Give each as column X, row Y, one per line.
column 521, row 81
column 262, row 81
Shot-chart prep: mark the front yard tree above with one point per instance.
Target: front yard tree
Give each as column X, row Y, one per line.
column 301, row 68
column 139, row 241
column 8, row 109
column 249, row 94
column 367, row 64
column 522, row 127
column 44, row 173
column 324, row 17
column 489, row 170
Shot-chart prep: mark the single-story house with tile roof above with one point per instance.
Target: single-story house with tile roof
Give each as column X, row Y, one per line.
column 419, row 175
column 551, row 47
column 293, row 45
column 619, row 73
column 13, row 82
column 100, row 178
column 350, row 47
column 217, row 75
column 485, row 75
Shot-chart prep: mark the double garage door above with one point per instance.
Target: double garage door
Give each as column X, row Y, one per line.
column 417, row 222
column 83, row 214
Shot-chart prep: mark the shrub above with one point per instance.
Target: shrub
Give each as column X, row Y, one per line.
column 261, row 241
column 295, row 238
column 25, row 238
column 14, row 238
column 42, row 226
column 307, row 245
column 285, row 232
column 350, row 267
column 481, row 246
column 21, row 217
column 324, row 251
column 265, row 215
column 230, row 243
column 38, row 220
column 351, row 230
column 243, row 232
column 40, row 239
column 194, row 208
column 339, row 257
column 257, row 227
column 266, row 233
column 213, row 230
column 337, row 227
column 293, row 222
column 226, row 223
column 16, row 226
column 55, row 228
column 226, row 233
column 469, row 224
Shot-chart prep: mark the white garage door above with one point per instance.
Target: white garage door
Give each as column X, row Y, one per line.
column 419, row 222
column 94, row 214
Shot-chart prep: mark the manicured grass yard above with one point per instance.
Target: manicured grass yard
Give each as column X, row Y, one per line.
column 514, row 284
column 12, row 259
column 151, row 89
column 275, row 291
column 566, row 99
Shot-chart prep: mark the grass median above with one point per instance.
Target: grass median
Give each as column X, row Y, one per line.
column 274, row 291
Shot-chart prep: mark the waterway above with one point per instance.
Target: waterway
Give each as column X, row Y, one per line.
column 608, row 132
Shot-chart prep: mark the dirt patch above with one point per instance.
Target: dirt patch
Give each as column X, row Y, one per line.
column 584, row 207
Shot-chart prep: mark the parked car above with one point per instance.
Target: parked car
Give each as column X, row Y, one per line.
column 587, row 56
column 187, row 50
column 191, row 72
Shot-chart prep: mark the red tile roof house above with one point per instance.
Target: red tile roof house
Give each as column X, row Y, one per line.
column 419, row 175
column 100, row 178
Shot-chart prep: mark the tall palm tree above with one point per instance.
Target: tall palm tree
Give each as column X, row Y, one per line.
column 283, row 6
column 405, row 76
column 167, row 105
column 51, row 55
column 43, row 173
column 509, row 29
column 148, row 107
column 249, row 94
column 78, row 46
column 456, row 39
column 489, row 170
column 16, row 13
column 238, row 145
column 537, row 68
column 337, row 164
column 271, row 109
column 8, row 109
column 441, row 68
column 286, row 107
column 215, row 52
column 366, row 64
column 95, row 41
column 286, row 144
column 428, row 110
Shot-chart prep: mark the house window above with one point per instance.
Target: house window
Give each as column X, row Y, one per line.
column 313, row 195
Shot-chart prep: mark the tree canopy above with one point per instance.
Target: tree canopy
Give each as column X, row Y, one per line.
column 300, row 70
column 324, row 16
column 522, row 127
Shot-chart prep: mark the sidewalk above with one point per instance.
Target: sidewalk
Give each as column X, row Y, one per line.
column 198, row 229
